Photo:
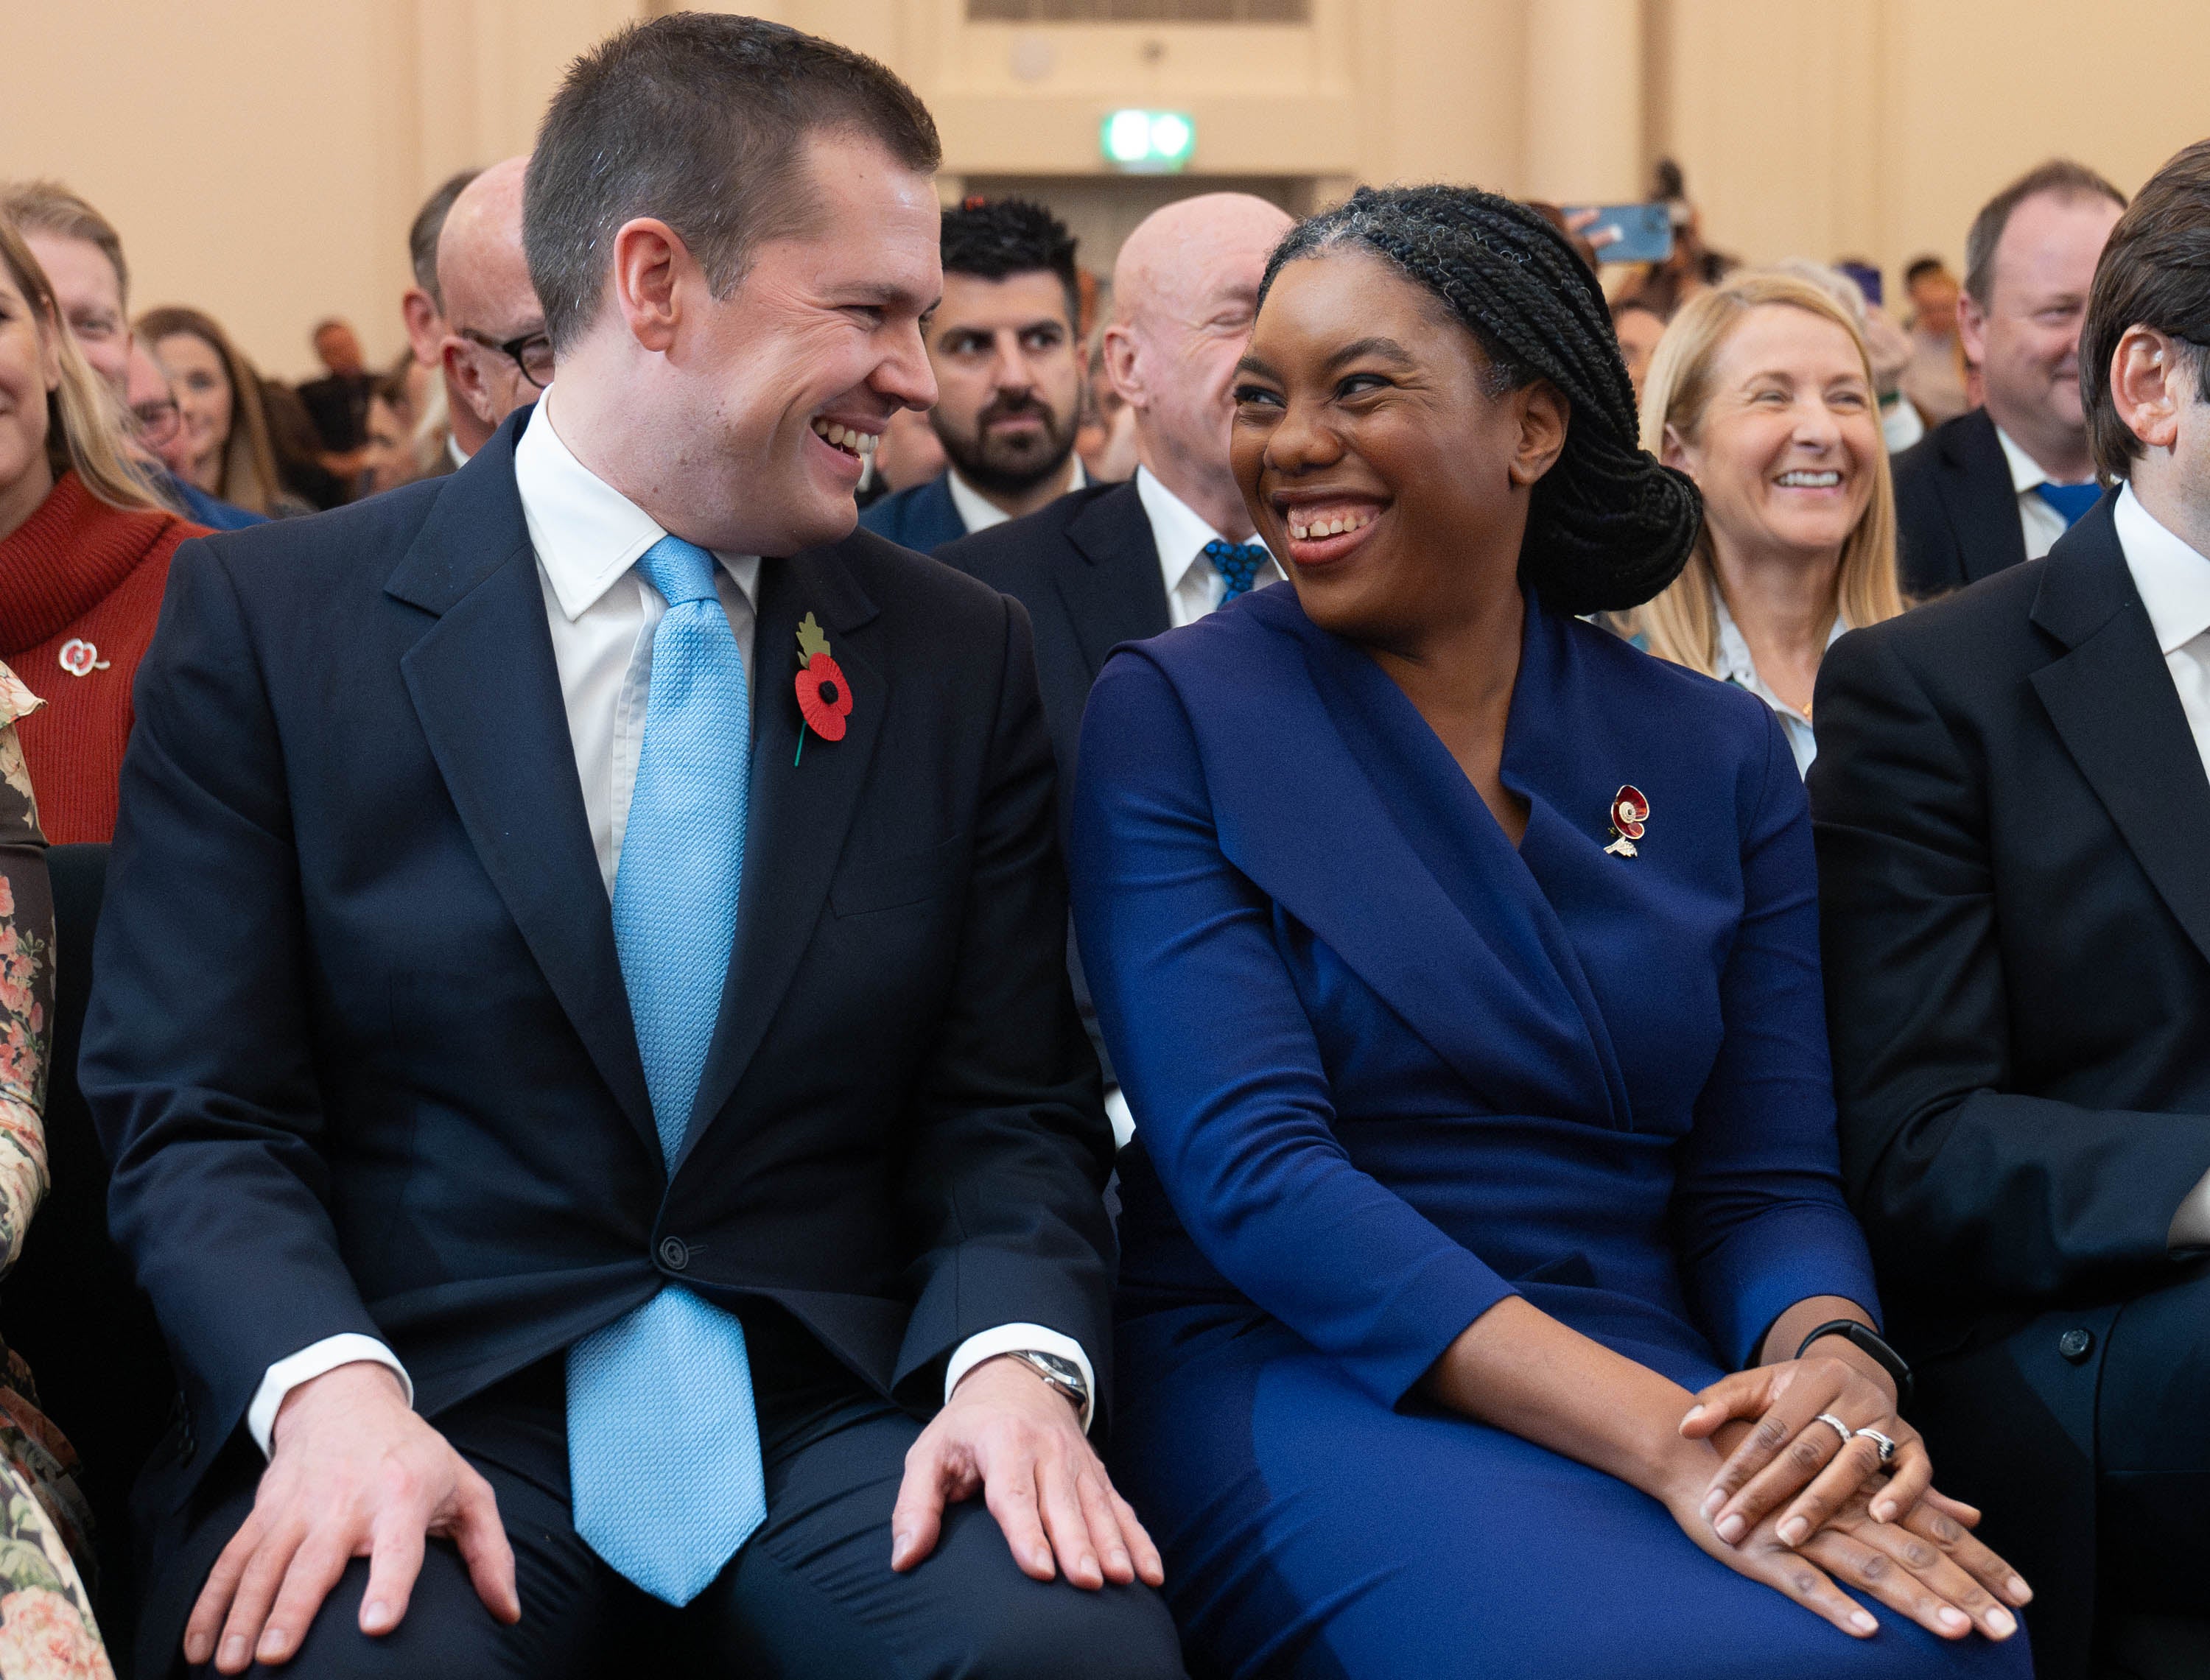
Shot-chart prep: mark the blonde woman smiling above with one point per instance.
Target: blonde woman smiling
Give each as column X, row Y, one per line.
column 1762, row 392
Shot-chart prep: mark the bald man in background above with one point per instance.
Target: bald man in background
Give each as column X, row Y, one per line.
column 422, row 308
column 1119, row 562
column 496, row 355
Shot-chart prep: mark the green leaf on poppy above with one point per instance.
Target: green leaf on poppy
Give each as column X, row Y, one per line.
column 810, row 640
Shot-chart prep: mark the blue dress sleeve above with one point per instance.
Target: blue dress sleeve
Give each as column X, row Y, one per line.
column 1221, row 1066
column 1761, row 1221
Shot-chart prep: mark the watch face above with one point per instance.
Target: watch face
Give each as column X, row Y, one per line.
column 1066, row 1370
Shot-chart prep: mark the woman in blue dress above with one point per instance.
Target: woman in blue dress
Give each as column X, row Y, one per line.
column 1488, row 1304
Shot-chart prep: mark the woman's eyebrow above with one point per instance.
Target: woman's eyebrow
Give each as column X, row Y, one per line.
column 1255, row 365
column 1387, row 349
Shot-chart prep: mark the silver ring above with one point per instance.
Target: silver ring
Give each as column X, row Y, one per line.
column 1886, row 1447
column 1836, row 1424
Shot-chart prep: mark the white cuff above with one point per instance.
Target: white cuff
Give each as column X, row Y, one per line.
column 1022, row 1339
column 1116, row 1111
column 310, row 1363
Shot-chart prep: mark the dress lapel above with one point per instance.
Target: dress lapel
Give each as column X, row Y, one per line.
column 1116, row 593
column 487, row 693
column 801, row 806
column 1391, row 857
column 2113, row 704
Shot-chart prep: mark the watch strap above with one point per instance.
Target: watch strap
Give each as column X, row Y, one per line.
column 1867, row 1341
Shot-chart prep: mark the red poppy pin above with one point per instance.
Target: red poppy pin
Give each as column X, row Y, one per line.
column 825, row 698
column 1630, row 810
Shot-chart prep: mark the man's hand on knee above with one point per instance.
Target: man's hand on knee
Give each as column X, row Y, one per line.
column 1007, row 1432
column 354, row 1473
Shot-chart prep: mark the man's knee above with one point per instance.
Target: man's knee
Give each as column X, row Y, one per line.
column 1116, row 1633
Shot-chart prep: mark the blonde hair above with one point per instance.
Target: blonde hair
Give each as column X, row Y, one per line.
column 1681, row 624
column 86, row 432
column 249, row 478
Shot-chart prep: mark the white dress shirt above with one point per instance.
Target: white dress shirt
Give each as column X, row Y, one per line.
column 2173, row 581
column 978, row 512
column 1194, row 585
column 589, row 538
column 2043, row 524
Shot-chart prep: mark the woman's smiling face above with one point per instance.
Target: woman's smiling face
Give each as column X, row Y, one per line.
column 1375, row 458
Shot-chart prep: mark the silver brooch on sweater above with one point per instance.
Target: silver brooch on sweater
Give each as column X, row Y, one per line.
column 80, row 657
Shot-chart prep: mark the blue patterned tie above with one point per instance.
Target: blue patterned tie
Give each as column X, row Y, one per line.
column 1238, row 565
column 663, row 1448
column 2069, row 500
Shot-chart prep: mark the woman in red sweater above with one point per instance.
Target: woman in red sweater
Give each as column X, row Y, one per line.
column 84, row 555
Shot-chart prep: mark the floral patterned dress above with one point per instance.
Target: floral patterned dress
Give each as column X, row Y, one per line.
column 47, row 1627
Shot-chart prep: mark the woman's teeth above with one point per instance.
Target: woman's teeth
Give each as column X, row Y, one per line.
column 1826, row 480
column 1333, row 526
column 860, row 443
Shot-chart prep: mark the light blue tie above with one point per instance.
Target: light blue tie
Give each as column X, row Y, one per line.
column 663, row 1447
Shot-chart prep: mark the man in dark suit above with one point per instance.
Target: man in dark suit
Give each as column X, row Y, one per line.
column 1117, row 562
column 2012, row 808
column 580, row 1024
column 2000, row 483
column 338, row 401
column 422, row 306
column 1005, row 347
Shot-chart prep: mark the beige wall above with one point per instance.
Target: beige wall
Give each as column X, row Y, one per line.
column 263, row 156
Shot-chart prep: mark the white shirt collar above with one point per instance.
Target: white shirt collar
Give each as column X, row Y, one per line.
column 2025, row 471
column 1735, row 665
column 978, row 512
column 2171, row 578
column 587, row 534
column 1178, row 530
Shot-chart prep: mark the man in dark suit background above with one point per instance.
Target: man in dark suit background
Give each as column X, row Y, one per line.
column 502, row 1170
column 1005, row 347
column 2013, row 812
column 1117, row 562
column 422, row 306
column 2000, row 483
column 495, row 354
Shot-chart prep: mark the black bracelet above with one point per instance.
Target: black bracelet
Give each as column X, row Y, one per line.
column 1867, row 1342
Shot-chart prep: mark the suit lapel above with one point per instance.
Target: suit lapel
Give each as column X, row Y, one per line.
column 487, row 693
column 2111, row 700
column 1117, row 592
column 801, row 806
column 1982, row 502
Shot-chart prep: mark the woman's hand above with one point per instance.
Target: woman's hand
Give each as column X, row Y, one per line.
column 1928, row 1567
column 1792, row 1451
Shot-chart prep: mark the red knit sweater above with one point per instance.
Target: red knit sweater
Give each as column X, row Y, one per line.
column 79, row 571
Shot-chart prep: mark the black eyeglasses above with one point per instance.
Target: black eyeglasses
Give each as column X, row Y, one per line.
column 532, row 353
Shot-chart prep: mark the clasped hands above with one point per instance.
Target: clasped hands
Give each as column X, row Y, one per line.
column 1793, row 1505
column 356, row 1473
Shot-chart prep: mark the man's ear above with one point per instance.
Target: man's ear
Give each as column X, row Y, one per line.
column 1544, row 414
column 465, row 376
column 650, row 263
column 1120, row 365
column 1971, row 328
column 2152, row 375
column 425, row 331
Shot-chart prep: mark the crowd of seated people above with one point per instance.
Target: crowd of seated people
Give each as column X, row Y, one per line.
column 1457, row 990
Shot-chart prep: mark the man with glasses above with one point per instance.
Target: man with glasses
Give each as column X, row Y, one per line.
column 497, row 355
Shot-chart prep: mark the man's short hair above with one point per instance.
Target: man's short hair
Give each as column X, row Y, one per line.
column 48, row 207
column 1918, row 268
column 430, row 222
column 994, row 238
column 2155, row 272
column 2059, row 177
column 699, row 119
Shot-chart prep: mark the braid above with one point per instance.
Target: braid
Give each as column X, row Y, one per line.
column 1607, row 526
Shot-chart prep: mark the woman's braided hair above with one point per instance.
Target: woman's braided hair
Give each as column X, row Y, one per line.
column 1607, row 526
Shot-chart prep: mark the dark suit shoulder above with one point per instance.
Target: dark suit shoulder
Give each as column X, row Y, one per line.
column 1007, row 555
column 287, row 559
column 1964, row 636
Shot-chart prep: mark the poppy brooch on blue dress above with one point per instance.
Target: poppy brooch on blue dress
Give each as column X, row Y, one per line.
column 1630, row 810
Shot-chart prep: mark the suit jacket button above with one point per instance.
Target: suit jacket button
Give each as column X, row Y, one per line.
column 2076, row 1344
column 674, row 1254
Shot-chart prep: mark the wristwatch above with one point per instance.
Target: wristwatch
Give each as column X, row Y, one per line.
column 1867, row 1342
column 1064, row 1374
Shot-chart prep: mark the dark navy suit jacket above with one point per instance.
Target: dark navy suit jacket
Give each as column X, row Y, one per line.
column 922, row 518
column 360, row 1047
column 1956, row 510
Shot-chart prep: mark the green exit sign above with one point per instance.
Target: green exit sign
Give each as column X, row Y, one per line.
column 1148, row 142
